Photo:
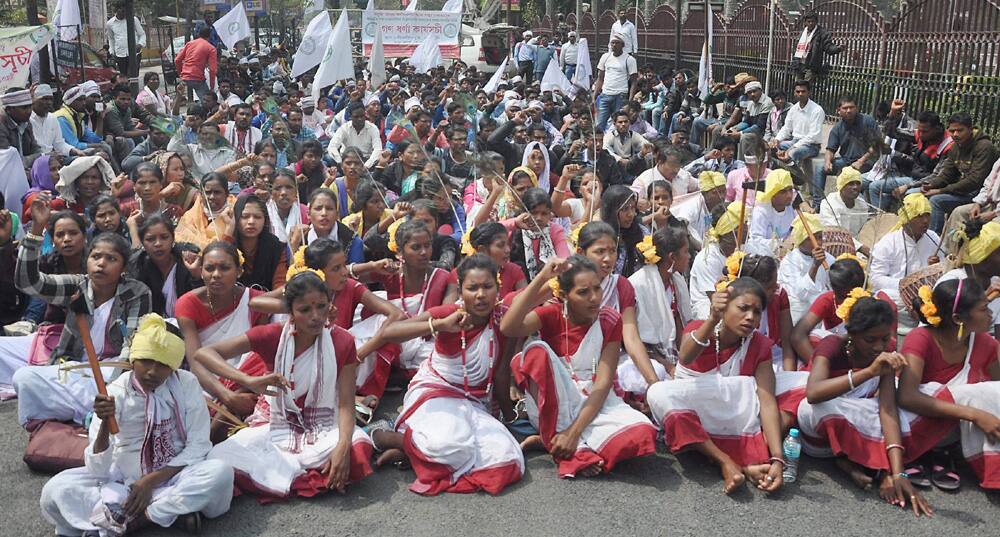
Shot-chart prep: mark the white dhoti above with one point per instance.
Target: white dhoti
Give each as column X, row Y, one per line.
column 72, row 498
column 15, row 353
column 47, row 393
column 848, row 425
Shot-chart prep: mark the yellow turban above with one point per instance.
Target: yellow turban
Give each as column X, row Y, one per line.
column 777, row 181
column 525, row 169
column 152, row 341
column 914, row 205
column 729, row 220
column 799, row 231
column 979, row 248
column 847, row 176
column 711, row 180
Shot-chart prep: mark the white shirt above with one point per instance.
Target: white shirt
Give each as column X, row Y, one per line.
column 695, row 212
column 617, row 70
column 682, row 184
column 48, row 135
column 231, row 100
column 125, row 448
column 769, row 225
column 249, row 140
column 834, row 213
column 117, row 30
column 708, row 266
column 367, row 141
column 628, row 30
column 991, row 187
column 205, row 160
column 793, row 275
column 568, row 54
column 803, row 126
column 896, row 255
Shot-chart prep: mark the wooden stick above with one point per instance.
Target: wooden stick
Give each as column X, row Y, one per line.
column 95, row 367
column 812, row 237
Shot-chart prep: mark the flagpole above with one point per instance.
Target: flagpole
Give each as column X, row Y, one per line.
column 770, row 48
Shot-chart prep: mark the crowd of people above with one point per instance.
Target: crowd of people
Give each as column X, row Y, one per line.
column 256, row 269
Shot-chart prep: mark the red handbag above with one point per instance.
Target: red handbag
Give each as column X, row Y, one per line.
column 54, row 446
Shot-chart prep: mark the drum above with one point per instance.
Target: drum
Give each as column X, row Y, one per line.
column 876, row 228
column 838, row 241
column 911, row 284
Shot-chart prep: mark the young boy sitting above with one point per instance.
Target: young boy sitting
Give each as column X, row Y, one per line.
column 772, row 215
column 154, row 470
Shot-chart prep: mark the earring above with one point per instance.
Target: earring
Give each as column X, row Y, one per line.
column 961, row 330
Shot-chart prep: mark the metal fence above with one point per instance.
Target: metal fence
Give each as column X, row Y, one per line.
column 940, row 55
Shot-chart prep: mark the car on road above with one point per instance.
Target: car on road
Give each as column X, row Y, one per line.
column 95, row 66
column 486, row 49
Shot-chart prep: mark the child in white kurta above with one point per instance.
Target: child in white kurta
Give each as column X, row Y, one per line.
column 794, row 271
column 162, row 442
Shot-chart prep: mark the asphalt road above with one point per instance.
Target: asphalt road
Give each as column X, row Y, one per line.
column 655, row 495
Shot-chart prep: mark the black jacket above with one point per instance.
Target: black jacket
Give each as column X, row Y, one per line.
column 822, row 45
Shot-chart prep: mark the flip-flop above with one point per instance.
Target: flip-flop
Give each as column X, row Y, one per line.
column 363, row 413
column 945, row 479
column 918, row 476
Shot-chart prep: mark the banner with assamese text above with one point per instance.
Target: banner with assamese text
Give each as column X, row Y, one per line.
column 402, row 31
column 18, row 46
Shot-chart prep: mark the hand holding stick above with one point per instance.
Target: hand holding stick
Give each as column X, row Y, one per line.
column 79, row 308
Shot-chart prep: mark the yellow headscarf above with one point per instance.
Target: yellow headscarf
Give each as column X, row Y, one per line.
column 525, row 169
column 152, row 341
column 914, row 205
column 728, row 221
column 799, row 231
column 979, row 248
column 847, row 176
column 711, row 180
column 777, row 181
column 393, row 247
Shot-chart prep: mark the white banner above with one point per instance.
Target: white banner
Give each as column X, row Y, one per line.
column 402, row 31
column 17, row 47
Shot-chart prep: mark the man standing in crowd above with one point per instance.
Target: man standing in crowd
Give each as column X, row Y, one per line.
column 567, row 56
column 815, row 43
column 627, row 30
column 524, row 53
column 117, row 30
column 616, row 75
column 193, row 59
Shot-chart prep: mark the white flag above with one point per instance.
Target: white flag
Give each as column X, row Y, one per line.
column 555, row 79
column 370, row 8
column 337, row 63
column 412, row 6
column 452, row 6
column 313, row 44
column 313, row 6
column 427, row 55
column 233, row 26
column 376, row 62
column 584, row 71
column 705, row 65
column 67, row 19
column 491, row 86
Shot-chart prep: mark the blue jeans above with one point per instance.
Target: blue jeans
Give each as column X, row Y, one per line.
column 799, row 154
column 569, row 71
column 698, row 127
column 675, row 122
column 879, row 191
column 35, row 310
column 818, row 186
column 199, row 87
column 941, row 207
column 607, row 105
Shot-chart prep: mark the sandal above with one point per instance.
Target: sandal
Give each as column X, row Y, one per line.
column 945, row 479
column 364, row 411
column 918, row 476
column 379, row 425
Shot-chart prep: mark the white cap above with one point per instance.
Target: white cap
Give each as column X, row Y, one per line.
column 527, row 33
column 410, row 103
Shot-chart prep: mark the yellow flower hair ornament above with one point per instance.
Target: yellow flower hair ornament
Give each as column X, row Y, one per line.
column 733, row 264
column 299, row 257
column 467, row 248
column 295, row 270
column 574, row 235
column 393, row 247
column 927, row 307
column 243, row 260
column 554, row 286
column 648, row 250
column 844, row 309
column 846, row 255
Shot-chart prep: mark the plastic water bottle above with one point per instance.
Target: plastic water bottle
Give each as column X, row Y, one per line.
column 792, row 448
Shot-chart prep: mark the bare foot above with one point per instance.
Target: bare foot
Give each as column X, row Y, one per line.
column 591, row 471
column 756, row 472
column 732, row 475
column 532, row 443
column 855, row 472
column 390, row 456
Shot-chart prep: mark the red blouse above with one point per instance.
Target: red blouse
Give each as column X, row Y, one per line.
column 190, row 307
column 565, row 343
column 920, row 343
column 346, row 301
column 264, row 341
column 758, row 352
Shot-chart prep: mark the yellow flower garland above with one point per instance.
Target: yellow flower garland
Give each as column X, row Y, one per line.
column 295, row 270
column 927, row 307
column 554, row 286
column 846, row 255
column 733, row 264
column 243, row 260
column 648, row 250
column 467, row 248
column 299, row 257
column 844, row 309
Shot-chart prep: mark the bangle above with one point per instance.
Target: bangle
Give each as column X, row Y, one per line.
column 430, row 324
column 778, row 460
column 559, row 190
column 850, row 378
column 698, row 341
column 895, row 446
column 30, row 235
column 350, row 271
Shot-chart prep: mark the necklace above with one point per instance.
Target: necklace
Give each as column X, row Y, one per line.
column 465, row 369
column 568, row 360
column 211, row 307
column 718, row 336
column 402, row 293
